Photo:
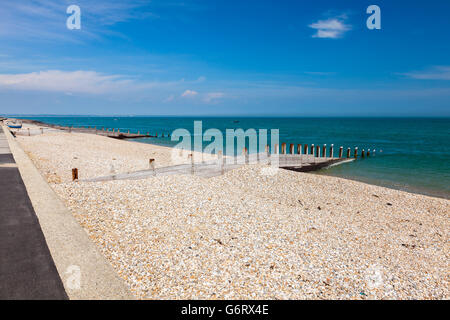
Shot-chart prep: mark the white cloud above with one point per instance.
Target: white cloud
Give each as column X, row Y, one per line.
column 213, row 96
column 434, row 73
column 331, row 28
column 189, row 93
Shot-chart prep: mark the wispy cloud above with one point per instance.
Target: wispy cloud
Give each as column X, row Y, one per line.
column 86, row 82
column 61, row 81
column 434, row 73
column 332, row 28
column 45, row 19
column 213, row 97
column 189, row 93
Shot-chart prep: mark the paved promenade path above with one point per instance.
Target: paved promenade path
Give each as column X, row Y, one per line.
column 27, row 270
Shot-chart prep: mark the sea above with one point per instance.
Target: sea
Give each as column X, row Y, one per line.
column 411, row 154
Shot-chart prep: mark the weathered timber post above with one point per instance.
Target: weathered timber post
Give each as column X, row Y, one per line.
column 324, row 151
column 268, row 154
column 192, row 162
column 363, row 153
column 356, row 153
column 220, row 162
column 318, row 151
column 348, row 152
column 341, row 151
column 245, row 154
column 283, row 148
column 291, row 148
column 368, row 152
column 151, row 164
column 299, row 149
column 332, row 151
column 74, row 174
column 306, row 149
column 312, row 149
column 276, row 149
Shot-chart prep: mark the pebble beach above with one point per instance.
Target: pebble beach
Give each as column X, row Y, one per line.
column 245, row 234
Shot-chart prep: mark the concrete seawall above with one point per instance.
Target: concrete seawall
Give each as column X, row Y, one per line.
column 85, row 272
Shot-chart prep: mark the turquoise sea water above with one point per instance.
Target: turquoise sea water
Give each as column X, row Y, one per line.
column 415, row 151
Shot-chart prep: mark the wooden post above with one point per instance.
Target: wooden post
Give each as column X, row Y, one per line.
column 74, row 174
column 268, row 153
column 341, row 151
column 245, row 154
column 299, row 149
column 192, row 162
column 317, row 151
column 332, row 151
column 348, row 152
column 291, row 148
column 151, row 164
column 312, row 149
column 306, row 149
column 368, row 152
column 356, row 153
column 363, row 153
column 276, row 149
column 324, row 151
column 220, row 162
column 283, row 148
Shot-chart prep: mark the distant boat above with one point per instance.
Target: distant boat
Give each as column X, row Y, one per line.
column 14, row 124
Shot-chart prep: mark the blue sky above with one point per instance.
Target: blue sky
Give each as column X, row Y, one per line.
column 311, row 58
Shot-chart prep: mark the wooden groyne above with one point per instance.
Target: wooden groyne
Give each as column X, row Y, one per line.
column 103, row 131
column 300, row 158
